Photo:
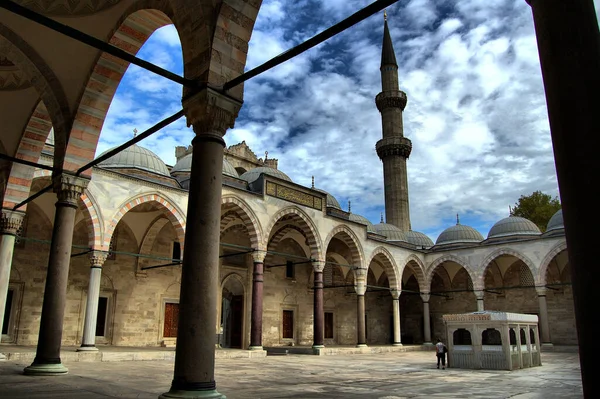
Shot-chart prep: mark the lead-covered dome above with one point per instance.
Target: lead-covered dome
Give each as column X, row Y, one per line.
column 253, row 174
column 331, row 201
column 419, row 239
column 389, row 231
column 184, row 165
column 362, row 220
column 556, row 222
column 135, row 157
column 459, row 233
column 514, row 226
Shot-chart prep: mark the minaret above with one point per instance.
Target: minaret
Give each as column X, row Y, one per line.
column 394, row 148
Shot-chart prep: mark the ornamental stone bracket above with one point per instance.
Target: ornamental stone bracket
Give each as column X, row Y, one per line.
column 69, row 188
column 210, row 112
column 393, row 146
column 391, row 99
column 11, row 222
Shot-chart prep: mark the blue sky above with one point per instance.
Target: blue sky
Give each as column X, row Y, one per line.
column 476, row 112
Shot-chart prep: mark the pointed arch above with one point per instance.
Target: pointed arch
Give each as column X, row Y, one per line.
column 351, row 240
column 173, row 213
column 475, row 278
column 248, row 217
column 313, row 238
column 495, row 254
column 93, row 220
column 541, row 275
column 390, row 267
column 236, row 278
column 419, row 271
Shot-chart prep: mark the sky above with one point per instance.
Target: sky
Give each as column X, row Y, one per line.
column 476, row 112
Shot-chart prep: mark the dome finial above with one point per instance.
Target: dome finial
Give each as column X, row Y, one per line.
column 135, row 132
column 510, row 211
column 385, row 15
column 381, row 217
column 349, row 207
column 266, row 154
column 313, row 183
column 457, row 219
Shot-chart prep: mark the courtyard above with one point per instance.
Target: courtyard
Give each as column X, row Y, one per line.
column 382, row 376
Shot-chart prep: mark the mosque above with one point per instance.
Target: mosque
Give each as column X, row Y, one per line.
column 281, row 243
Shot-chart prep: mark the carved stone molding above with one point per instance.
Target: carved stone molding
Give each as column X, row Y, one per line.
column 393, row 146
column 11, row 222
column 68, row 188
column 391, row 99
column 11, row 77
column 97, row 258
column 67, row 7
column 210, row 112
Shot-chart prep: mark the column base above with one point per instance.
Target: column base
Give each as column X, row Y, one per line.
column 46, row 369
column 397, row 344
column 179, row 394
column 2, row 357
column 547, row 346
column 318, row 346
column 361, row 345
column 255, row 348
column 86, row 349
column 428, row 343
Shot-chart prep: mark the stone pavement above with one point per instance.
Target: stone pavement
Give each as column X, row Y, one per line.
column 378, row 376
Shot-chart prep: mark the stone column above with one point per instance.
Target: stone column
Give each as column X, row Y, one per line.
column 396, row 314
column 88, row 343
column 568, row 41
column 257, row 300
column 426, row 324
column 211, row 114
column 319, row 314
column 479, row 296
column 361, row 288
column 68, row 189
column 544, row 325
column 10, row 223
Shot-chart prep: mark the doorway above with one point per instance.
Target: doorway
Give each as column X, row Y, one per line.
column 232, row 314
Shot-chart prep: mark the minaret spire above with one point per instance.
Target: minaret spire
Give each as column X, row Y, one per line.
column 393, row 149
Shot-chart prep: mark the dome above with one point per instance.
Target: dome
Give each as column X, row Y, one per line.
column 184, row 165
column 362, row 220
column 331, row 201
column 418, row 239
column 389, row 231
column 512, row 226
column 556, row 222
column 136, row 157
column 253, row 174
column 459, row 234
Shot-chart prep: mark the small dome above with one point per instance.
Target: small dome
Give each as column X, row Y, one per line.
column 331, row 201
column 253, row 174
column 459, row 234
column 136, row 157
column 512, row 226
column 184, row 165
column 556, row 222
column 389, row 231
column 362, row 220
column 418, row 239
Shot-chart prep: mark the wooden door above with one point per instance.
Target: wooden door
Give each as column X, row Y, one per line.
column 237, row 314
column 288, row 324
column 171, row 320
column 329, row 325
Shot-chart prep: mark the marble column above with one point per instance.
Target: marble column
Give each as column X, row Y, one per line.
column 396, row 314
column 319, row 314
column 426, row 324
column 68, row 189
column 544, row 325
column 479, row 295
column 88, row 343
column 10, row 223
column 361, row 288
column 211, row 114
column 257, row 300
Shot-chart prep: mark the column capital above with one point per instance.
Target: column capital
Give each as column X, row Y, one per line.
column 479, row 294
column 97, row 258
column 541, row 291
column 11, row 222
column 425, row 296
column 395, row 293
column 210, row 112
column 360, row 287
column 68, row 188
column 318, row 265
column 259, row 255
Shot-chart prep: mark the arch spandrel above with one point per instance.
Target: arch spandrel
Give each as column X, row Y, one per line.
column 390, row 267
column 475, row 277
column 347, row 236
column 541, row 276
column 307, row 225
column 480, row 282
column 93, row 220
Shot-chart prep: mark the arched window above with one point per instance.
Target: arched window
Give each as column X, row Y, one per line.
column 491, row 336
column 513, row 337
column 461, row 337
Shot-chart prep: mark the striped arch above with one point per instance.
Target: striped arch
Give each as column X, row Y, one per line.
column 29, row 149
column 93, row 221
column 541, row 275
column 499, row 252
column 390, row 267
column 241, row 209
column 418, row 271
column 306, row 224
column 235, row 277
column 348, row 237
column 173, row 213
column 134, row 28
column 476, row 279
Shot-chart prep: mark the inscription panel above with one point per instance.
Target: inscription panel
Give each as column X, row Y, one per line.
column 293, row 195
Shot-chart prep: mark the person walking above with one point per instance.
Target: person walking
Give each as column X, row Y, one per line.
column 440, row 352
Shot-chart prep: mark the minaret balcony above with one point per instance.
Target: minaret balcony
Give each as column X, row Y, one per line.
column 391, row 99
column 393, row 146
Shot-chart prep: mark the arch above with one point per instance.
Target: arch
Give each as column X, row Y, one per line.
column 247, row 216
column 452, row 258
column 314, row 239
column 94, row 222
column 173, row 213
column 555, row 250
column 237, row 279
column 419, row 271
column 148, row 240
column 390, row 268
column 497, row 253
column 351, row 240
